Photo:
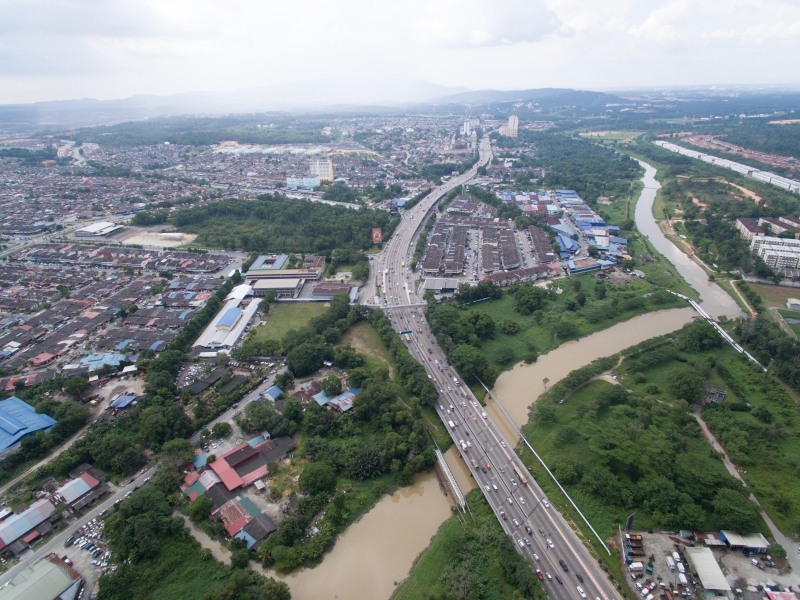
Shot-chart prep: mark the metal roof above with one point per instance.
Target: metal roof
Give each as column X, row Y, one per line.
column 45, row 580
column 72, row 490
column 15, row 527
column 229, row 318
column 703, row 562
column 18, row 419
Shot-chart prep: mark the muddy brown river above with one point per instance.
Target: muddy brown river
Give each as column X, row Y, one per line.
column 377, row 551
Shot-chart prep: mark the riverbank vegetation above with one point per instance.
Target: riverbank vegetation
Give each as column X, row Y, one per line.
column 471, row 557
column 274, row 223
column 484, row 329
column 353, row 457
column 636, row 446
column 654, row 459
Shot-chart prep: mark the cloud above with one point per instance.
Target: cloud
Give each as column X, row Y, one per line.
column 54, row 49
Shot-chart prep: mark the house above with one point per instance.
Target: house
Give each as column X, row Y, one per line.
column 273, row 393
column 343, row 402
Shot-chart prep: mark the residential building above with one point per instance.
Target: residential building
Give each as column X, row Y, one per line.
column 748, row 228
column 512, row 128
column 322, row 168
column 778, row 253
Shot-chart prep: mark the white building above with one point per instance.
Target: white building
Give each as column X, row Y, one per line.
column 98, row 229
column 778, row 253
column 303, row 183
column 512, row 128
column 322, row 168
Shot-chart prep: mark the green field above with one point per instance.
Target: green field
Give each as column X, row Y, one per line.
column 775, row 295
column 610, row 137
column 791, row 314
column 285, row 316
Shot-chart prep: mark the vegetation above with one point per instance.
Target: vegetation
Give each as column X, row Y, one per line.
column 356, row 456
column 521, row 321
column 274, row 223
column 475, row 559
column 158, row 558
column 653, row 460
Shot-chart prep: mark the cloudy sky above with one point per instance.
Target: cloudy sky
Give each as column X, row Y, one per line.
column 62, row 49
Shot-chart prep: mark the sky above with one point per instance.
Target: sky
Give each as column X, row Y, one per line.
column 105, row 49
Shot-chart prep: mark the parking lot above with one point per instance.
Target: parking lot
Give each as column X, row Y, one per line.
column 88, row 552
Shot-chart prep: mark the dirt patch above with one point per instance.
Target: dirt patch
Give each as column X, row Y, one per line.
column 162, row 240
column 702, row 205
column 365, row 340
column 749, row 193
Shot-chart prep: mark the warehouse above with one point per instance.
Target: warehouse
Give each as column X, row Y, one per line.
column 229, row 324
column 703, row 563
column 751, row 542
column 284, row 288
column 99, row 229
column 326, row 291
column 18, row 419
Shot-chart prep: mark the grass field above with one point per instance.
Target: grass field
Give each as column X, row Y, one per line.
column 775, row 295
column 285, row 316
column 609, row 137
column 791, row 314
column 364, row 339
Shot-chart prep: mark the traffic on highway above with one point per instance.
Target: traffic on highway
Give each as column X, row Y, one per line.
column 559, row 558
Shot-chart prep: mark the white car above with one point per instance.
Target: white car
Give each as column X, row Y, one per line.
column 521, row 500
column 546, row 503
column 535, row 556
column 581, row 592
column 550, row 543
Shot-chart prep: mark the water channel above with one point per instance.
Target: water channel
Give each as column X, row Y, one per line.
column 375, row 553
column 716, row 301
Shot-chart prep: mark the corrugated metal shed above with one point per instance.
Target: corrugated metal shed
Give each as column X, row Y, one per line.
column 15, row 527
column 73, row 489
column 18, row 419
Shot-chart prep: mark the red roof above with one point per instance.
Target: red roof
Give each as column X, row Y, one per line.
column 91, row 481
column 236, row 527
column 226, row 474
column 30, row 537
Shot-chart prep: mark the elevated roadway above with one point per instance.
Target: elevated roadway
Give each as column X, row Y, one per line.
column 538, row 530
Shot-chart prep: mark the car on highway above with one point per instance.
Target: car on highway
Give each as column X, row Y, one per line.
column 521, row 500
column 559, row 580
column 521, row 543
column 547, row 574
column 578, row 575
column 527, row 541
column 503, row 515
column 546, row 503
column 550, row 543
column 535, row 556
column 539, row 575
column 516, row 523
column 528, row 529
column 563, row 565
column 581, row 592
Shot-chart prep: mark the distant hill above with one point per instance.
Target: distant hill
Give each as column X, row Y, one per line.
column 491, row 96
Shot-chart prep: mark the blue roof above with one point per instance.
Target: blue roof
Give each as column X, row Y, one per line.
column 175, row 285
column 123, row 343
column 173, row 295
column 183, row 314
column 567, row 244
column 249, row 539
column 274, row 392
column 191, row 286
column 200, row 460
column 229, row 318
column 256, row 440
column 96, row 361
column 190, row 295
column 18, row 419
column 124, row 401
column 154, row 346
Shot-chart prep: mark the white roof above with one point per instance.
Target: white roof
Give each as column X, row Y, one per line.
column 240, row 292
column 218, row 339
column 277, row 284
column 96, row 227
column 708, row 571
column 750, row 540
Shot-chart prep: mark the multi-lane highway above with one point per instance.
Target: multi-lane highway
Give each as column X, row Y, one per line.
column 538, row 529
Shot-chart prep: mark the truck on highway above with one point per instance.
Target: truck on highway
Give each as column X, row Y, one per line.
column 520, row 476
column 474, row 464
column 451, row 424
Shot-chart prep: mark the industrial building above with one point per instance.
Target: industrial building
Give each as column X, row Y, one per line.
column 98, row 229
column 47, row 579
column 18, row 419
column 303, row 183
column 708, row 572
column 229, row 324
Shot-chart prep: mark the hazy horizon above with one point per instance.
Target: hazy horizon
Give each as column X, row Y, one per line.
column 112, row 50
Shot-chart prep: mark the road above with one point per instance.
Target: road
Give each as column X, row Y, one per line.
column 521, row 507
column 56, row 543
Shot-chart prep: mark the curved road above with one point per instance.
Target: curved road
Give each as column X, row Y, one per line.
column 521, row 508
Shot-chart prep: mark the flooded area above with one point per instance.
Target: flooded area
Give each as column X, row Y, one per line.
column 715, row 300
column 518, row 388
column 377, row 552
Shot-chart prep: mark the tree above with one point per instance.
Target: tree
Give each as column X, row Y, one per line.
column 177, row 452
column 222, row 359
column 221, row 429
column 735, row 510
column 685, row 384
column 529, row 298
column 199, row 509
column 504, row 355
column 317, row 478
column 509, row 326
column 275, row 590
column 75, row 386
column 293, row 410
column 777, row 551
column 332, row 385
column 565, row 328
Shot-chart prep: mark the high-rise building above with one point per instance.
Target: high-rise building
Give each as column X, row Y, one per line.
column 322, row 168
column 511, row 129
column 467, row 127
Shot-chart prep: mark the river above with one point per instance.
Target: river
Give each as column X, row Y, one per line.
column 518, row 388
column 716, row 301
column 377, row 552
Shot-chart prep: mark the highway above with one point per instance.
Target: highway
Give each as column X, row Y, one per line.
column 538, row 529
